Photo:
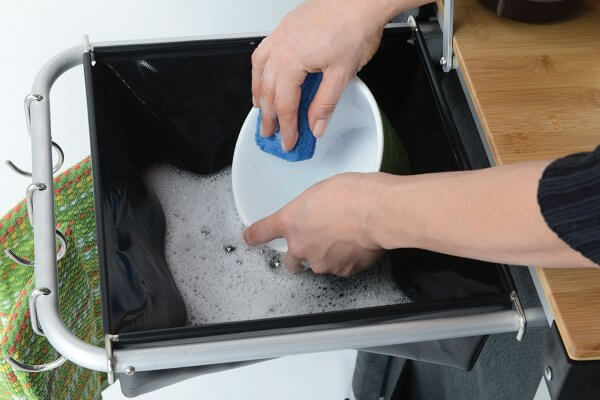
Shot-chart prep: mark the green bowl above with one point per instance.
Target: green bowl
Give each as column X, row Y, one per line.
column 395, row 158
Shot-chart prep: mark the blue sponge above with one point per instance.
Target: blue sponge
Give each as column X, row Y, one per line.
column 305, row 148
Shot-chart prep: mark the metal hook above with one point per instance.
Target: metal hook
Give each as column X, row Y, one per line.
column 33, row 309
column 110, row 358
column 30, row 98
column 521, row 318
column 29, row 198
column 60, row 159
column 35, row 368
column 18, row 259
column 38, row 330
column 62, row 250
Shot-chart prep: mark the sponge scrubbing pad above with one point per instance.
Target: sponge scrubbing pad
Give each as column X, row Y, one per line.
column 305, row 147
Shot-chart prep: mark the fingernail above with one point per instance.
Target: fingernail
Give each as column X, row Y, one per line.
column 246, row 237
column 254, row 102
column 320, row 126
column 262, row 131
column 290, row 142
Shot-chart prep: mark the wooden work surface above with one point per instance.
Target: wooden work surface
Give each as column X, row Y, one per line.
column 536, row 89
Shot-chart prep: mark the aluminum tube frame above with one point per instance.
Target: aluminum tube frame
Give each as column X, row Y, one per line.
column 47, row 310
column 445, row 17
column 260, row 345
column 175, row 355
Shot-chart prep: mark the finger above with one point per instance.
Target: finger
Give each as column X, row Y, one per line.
column 259, row 58
column 293, row 265
column 287, row 99
column 267, row 98
column 264, row 230
column 327, row 96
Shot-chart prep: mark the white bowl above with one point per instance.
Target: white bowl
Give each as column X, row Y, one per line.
column 353, row 142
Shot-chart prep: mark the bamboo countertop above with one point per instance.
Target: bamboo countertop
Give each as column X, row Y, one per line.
column 536, row 89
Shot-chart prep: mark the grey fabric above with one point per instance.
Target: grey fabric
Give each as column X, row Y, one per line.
column 373, row 375
column 506, row 369
column 396, row 373
column 458, row 353
column 145, row 382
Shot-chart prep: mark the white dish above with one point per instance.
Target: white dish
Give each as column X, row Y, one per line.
column 353, row 142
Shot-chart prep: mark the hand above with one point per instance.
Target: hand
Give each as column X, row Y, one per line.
column 332, row 36
column 327, row 225
column 342, row 224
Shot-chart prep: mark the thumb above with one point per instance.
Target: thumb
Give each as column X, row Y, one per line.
column 327, row 96
column 264, row 230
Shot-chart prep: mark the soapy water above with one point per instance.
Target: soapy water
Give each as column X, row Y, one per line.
column 221, row 279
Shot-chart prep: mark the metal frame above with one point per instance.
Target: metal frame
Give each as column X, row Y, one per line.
column 447, row 60
column 445, row 18
column 212, row 350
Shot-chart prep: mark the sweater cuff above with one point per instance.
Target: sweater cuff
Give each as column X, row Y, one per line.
column 569, row 199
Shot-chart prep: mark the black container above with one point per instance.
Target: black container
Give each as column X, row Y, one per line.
column 183, row 103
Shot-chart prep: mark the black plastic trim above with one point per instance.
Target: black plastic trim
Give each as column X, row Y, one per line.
column 97, row 183
column 336, row 319
column 442, row 104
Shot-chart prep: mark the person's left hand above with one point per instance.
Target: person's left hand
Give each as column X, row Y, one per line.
column 327, row 226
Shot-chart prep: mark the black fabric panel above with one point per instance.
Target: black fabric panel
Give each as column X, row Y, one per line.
column 136, row 279
column 569, row 198
column 470, row 278
column 183, row 103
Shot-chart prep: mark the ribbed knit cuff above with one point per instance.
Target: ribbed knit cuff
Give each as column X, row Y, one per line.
column 569, row 198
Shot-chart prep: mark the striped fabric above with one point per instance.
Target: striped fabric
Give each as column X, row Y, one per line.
column 569, row 198
column 79, row 295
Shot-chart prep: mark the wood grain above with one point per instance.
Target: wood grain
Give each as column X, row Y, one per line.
column 536, row 90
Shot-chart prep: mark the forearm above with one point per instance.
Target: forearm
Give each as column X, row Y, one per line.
column 490, row 214
column 388, row 9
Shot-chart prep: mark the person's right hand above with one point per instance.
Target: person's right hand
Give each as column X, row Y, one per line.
column 336, row 37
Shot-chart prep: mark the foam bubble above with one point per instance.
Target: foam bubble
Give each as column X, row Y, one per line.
column 221, row 279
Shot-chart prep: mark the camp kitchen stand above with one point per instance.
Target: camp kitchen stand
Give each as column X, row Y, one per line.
column 414, row 79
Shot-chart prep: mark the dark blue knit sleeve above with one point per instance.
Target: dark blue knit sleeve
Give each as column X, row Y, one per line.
column 569, row 198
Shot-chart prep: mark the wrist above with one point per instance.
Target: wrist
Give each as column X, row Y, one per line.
column 377, row 13
column 392, row 221
column 391, row 8
column 375, row 204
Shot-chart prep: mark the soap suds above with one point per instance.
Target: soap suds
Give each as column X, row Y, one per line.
column 221, row 279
